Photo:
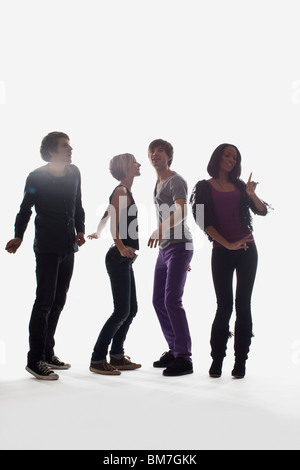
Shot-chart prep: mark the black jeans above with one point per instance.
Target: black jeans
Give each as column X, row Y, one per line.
column 125, row 306
column 53, row 275
column 224, row 264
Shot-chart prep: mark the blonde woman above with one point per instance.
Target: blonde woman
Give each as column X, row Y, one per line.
column 119, row 259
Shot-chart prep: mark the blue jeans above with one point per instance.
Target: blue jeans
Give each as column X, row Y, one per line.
column 125, row 307
column 169, row 280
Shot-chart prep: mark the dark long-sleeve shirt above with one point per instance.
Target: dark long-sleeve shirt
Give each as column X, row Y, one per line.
column 59, row 211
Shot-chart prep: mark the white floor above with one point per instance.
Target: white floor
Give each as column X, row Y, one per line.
column 144, row 410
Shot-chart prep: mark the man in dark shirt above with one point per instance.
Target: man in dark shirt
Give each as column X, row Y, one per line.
column 55, row 192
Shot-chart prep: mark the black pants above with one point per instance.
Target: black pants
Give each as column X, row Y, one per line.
column 53, row 275
column 224, row 264
column 125, row 307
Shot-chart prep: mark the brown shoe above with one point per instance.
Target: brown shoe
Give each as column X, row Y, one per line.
column 124, row 363
column 104, row 368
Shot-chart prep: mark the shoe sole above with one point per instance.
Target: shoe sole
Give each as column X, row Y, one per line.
column 105, row 372
column 176, row 374
column 65, row 367
column 42, row 377
column 161, row 366
column 132, row 367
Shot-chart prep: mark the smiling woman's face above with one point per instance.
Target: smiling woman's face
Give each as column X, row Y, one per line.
column 229, row 159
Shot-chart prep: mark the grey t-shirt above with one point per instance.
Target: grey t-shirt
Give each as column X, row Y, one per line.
column 175, row 187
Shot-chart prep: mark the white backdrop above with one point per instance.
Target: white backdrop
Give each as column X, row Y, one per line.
column 116, row 75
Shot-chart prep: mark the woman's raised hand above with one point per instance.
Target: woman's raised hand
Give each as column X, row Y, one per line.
column 251, row 186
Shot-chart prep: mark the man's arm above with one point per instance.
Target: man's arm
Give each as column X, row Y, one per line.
column 23, row 216
column 175, row 219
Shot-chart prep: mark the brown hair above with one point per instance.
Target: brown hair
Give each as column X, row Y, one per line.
column 49, row 144
column 168, row 148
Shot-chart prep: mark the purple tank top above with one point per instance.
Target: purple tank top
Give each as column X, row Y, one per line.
column 227, row 209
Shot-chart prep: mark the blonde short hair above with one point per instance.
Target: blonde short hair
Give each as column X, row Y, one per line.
column 119, row 165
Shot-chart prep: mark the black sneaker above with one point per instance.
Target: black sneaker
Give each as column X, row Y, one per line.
column 165, row 360
column 179, row 366
column 41, row 371
column 56, row 363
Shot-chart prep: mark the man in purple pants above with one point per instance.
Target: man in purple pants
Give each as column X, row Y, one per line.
column 175, row 253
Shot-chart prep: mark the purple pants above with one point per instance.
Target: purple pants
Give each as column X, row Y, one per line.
column 169, row 280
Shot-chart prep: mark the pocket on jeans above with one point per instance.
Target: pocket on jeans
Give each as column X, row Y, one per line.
column 112, row 254
column 114, row 258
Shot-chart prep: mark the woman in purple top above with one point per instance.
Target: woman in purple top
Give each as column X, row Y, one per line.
column 227, row 222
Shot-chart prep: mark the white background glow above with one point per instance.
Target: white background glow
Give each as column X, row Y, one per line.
column 116, row 75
